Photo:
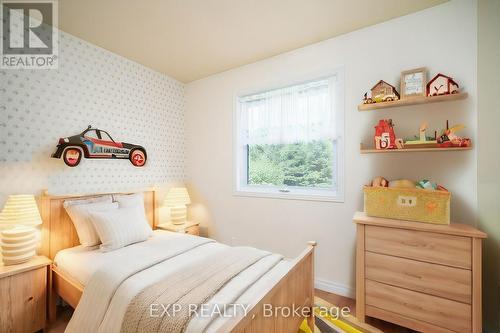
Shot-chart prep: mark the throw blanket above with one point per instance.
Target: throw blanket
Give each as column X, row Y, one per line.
column 102, row 286
column 128, row 275
column 188, row 288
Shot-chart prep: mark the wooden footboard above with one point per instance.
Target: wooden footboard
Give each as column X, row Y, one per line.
column 292, row 291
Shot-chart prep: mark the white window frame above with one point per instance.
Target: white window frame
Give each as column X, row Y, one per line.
column 241, row 188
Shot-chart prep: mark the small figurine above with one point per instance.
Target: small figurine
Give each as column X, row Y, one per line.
column 422, row 140
column 421, row 132
column 385, row 138
column 450, row 139
column 442, row 85
column 381, row 92
column 400, row 143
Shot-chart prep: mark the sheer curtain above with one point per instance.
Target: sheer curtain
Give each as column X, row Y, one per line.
column 298, row 113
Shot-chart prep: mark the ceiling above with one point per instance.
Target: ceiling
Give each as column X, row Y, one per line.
column 192, row 39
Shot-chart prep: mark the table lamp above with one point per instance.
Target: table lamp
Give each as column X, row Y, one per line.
column 177, row 198
column 18, row 220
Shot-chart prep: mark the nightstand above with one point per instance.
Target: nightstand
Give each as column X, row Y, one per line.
column 23, row 295
column 190, row 227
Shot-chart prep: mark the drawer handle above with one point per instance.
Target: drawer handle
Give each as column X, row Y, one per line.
column 413, row 275
column 409, row 243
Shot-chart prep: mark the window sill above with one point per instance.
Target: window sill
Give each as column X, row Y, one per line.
column 326, row 197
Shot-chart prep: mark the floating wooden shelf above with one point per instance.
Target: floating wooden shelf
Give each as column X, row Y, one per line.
column 412, row 101
column 364, row 150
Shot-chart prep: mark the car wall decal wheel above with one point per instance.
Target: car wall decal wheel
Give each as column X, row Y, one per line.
column 138, row 157
column 72, row 156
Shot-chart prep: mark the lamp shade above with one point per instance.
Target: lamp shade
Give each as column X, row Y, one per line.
column 177, row 196
column 20, row 210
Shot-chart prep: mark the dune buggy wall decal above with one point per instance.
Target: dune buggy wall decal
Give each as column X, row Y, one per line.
column 96, row 143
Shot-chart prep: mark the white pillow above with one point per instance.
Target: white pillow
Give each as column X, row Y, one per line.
column 79, row 214
column 120, row 227
column 128, row 200
column 103, row 198
column 131, row 200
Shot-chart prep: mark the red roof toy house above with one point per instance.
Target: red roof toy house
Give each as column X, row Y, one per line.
column 442, row 85
column 385, row 138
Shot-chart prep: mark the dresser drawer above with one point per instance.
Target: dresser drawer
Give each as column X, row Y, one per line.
column 443, row 281
column 425, row 246
column 434, row 310
column 23, row 301
column 194, row 230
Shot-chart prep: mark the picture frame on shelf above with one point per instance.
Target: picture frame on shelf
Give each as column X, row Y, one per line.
column 414, row 83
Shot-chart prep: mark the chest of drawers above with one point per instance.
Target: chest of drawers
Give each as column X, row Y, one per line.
column 422, row 276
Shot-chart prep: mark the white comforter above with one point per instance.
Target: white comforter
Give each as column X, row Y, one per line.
column 111, row 288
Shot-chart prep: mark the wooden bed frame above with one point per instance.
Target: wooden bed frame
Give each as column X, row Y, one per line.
column 295, row 288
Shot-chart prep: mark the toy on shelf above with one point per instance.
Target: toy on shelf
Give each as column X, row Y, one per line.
column 385, row 138
column 381, row 92
column 450, row 139
column 442, row 85
column 400, row 143
column 422, row 140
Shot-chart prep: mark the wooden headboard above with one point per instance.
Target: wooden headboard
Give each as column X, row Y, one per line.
column 58, row 232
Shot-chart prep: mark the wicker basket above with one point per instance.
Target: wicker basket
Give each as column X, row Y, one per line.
column 408, row 204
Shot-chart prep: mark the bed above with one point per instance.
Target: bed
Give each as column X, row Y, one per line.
column 286, row 283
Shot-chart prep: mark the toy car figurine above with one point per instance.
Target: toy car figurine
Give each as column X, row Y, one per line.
column 380, row 98
column 96, row 143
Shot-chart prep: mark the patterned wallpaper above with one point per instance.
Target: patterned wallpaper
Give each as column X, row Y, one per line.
column 92, row 86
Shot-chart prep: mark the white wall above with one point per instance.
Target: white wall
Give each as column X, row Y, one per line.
column 442, row 38
column 488, row 157
column 92, row 86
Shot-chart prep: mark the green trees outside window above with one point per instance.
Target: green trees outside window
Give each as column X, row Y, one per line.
column 297, row 164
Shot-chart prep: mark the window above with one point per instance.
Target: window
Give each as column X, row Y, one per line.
column 91, row 134
column 289, row 141
column 106, row 136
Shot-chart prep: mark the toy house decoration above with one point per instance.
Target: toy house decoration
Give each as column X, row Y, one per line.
column 442, row 85
column 385, row 138
column 381, row 92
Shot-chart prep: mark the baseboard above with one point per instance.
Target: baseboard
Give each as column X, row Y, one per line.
column 335, row 288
